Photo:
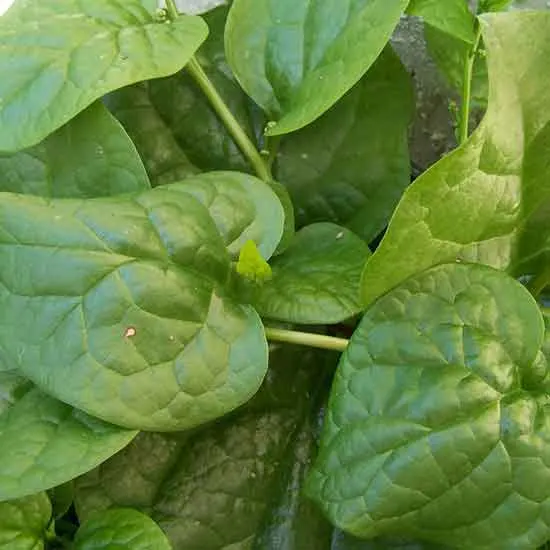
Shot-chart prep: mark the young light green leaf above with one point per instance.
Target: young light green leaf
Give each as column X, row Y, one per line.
column 317, row 279
column 44, row 443
column 438, row 426
column 90, row 156
column 23, row 523
column 127, row 295
column 473, row 203
column 296, row 59
column 236, row 484
column 450, row 16
column 120, row 528
column 62, row 55
column 251, row 265
column 352, row 164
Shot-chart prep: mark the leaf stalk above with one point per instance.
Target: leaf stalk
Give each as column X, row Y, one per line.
column 306, row 339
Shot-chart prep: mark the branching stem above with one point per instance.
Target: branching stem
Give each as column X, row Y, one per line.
column 306, row 339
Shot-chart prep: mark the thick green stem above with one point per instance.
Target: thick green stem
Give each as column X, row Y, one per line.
column 172, row 9
column 306, row 339
column 467, row 88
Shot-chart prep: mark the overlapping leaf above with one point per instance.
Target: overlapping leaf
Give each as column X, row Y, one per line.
column 120, row 528
column 296, row 59
column 317, row 279
column 474, row 204
column 120, row 302
column 23, row 523
column 438, row 423
column 90, row 156
column 61, row 55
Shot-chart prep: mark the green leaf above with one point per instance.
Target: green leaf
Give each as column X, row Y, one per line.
column 437, row 426
column 251, row 265
column 62, row 498
column 44, row 443
column 473, row 203
column 236, row 484
column 317, row 279
column 453, row 17
column 352, row 164
column 342, row 541
column 493, row 5
column 61, row 56
column 297, row 59
column 120, row 302
column 23, row 523
column 12, row 388
column 117, row 529
column 90, row 156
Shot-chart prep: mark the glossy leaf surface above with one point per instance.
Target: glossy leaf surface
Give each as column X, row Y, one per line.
column 90, row 156
column 120, row 301
column 473, row 203
column 44, row 443
column 438, row 426
column 23, row 523
column 296, row 59
column 120, row 528
column 317, row 279
column 352, row 164
column 62, row 55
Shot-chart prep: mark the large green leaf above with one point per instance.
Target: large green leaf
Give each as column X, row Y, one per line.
column 352, row 164
column 23, row 523
column 90, row 156
column 120, row 302
column 438, row 422
column 44, row 443
column 120, row 529
column 236, row 484
column 342, row 541
column 317, row 279
column 471, row 204
column 61, row 55
column 296, row 58
column 450, row 16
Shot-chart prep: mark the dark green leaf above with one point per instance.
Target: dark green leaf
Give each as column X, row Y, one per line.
column 90, row 156
column 493, row 5
column 317, row 279
column 236, row 483
column 23, row 523
column 438, row 425
column 453, row 17
column 120, row 529
column 120, row 302
column 352, row 165
column 341, row 541
column 470, row 205
column 44, row 443
column 296, row 58
column 61, row 498
column 62, row 55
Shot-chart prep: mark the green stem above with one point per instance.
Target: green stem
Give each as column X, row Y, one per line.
column 306, row 339
column 538, row 283
column 172, row 9
column 467, row 87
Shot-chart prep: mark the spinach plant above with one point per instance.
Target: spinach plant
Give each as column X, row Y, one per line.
column 197, row 212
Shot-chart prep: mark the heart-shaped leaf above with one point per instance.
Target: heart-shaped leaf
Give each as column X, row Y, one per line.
column 44, row 443
column 120, row 302
column 474, row 204
column 296, row 58
column 120, row 528
column 62, row 55
column 90, row 156
column 23, row 523
column 438, row 424
column 317, row 279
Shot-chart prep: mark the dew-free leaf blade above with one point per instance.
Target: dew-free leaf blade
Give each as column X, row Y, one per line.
column 90, row 156
column 44, row 443
column 121, row 305
column 23, row 522
column 62, row 55
column 317, row 279
column 296, row 59
column 472, row 204
column 437, row 426
column 120, row 528
column 352, row 164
